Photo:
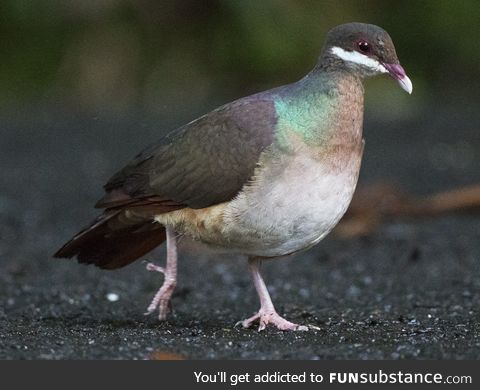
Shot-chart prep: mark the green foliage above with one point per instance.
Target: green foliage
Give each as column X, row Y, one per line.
column 121, row 54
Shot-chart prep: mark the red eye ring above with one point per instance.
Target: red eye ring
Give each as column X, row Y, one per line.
column 363, row 46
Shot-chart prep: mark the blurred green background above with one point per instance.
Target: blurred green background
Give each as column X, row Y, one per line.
column 111, row 57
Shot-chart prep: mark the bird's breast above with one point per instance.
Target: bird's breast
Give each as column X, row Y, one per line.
column 293, row 202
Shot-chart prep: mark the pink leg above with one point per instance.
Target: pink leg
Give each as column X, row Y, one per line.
column 267, row 313
column 162, row 298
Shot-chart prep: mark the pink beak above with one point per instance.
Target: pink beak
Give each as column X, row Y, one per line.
column 398, row 73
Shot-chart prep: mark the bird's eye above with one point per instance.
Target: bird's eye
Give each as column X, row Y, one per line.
column 363, row 46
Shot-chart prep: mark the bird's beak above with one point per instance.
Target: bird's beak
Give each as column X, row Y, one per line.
column 398, row 73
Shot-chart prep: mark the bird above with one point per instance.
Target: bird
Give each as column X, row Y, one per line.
column 265, row 176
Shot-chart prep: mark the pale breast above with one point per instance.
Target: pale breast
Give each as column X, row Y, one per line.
column 290, row 207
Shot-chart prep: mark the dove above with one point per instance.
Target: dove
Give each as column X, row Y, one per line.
column 264, row 177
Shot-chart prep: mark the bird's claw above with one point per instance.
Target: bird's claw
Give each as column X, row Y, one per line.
column 164, row 306
column 271, row 317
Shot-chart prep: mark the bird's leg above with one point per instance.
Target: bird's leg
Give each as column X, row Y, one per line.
column 267, row 313
column 162, row 298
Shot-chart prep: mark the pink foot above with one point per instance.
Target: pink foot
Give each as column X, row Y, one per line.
column 161, row 300
column 266, row 317
column 267, row 313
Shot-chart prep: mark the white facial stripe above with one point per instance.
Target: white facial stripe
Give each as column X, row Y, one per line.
column 358, row 58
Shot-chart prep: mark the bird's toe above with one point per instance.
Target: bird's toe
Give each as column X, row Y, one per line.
column 155, row 268
column 265, row 318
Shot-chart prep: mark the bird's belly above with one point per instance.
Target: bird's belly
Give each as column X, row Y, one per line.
column 292, row 212
column 286, row 208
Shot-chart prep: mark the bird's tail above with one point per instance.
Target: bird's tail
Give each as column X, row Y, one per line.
column 113, row 240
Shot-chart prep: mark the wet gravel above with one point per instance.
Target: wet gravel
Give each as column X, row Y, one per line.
column 410, row 290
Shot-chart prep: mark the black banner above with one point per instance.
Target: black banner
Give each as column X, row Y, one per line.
column 239, row 374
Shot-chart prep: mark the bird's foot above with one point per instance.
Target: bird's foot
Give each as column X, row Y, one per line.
column 266, row 317
column 161, row 300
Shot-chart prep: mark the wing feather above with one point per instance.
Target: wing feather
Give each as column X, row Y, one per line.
column 200, row 164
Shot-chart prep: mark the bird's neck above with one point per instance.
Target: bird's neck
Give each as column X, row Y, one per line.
column 323, row 108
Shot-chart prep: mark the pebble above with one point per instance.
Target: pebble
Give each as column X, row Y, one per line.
column 112, row 297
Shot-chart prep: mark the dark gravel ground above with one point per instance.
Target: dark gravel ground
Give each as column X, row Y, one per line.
column 410, row 290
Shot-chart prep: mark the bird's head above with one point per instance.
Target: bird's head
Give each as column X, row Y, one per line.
column 366, row 49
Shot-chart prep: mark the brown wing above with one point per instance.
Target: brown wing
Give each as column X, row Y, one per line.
column 202, row 163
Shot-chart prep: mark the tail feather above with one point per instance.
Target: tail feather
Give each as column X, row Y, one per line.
column 107, row 246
